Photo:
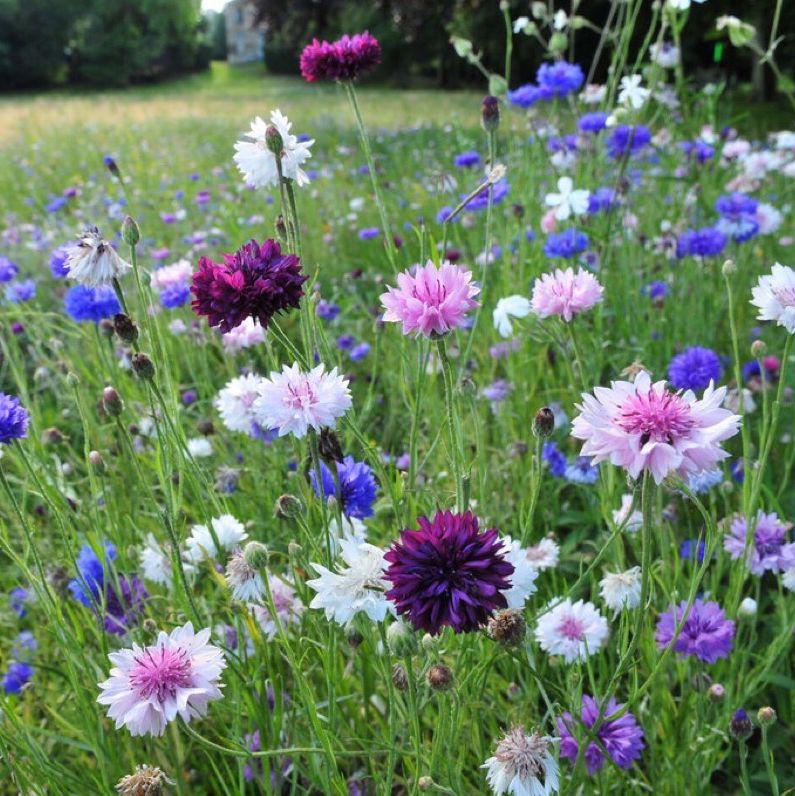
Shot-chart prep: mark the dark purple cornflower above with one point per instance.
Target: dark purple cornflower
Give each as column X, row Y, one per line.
column 568, row 244
column 706, row 633
column 560, row 78
column 469, row 158
column 448, row 573
column 345, row 59
column 8, row 269
column 257, row 281
column 592, row 122
column 357, row 487
column 621, row 738
column 704, row 242
column 14, row 419
column 694, row 369
column 626, row 140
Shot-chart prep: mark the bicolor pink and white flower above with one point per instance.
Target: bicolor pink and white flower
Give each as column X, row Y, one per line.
column 431, row 300
column 149, row 687
column 565, row 293
column 293, row 401
column 774, row 295
column 249, row 333
column 543, row 555
column 642, row 425
column 572, row 630
column 289, row 608
column 178, row 273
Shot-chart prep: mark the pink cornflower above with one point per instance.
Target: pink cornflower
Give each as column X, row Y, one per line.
column 149, row 687
column 565, row 293
column 431, row 301
column 643, row 426
column 292, row 401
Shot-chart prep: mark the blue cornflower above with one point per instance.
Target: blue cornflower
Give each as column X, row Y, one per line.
column 14, row 419
column 737, row 471
column 737, row 216
column 699, row 150
column 357, row 487
column 556, row 461
column 581, row 471
column 83, row 303
column 481, row 201
column 20, row 291
column 368, row 233
column 704, row 242
column 92, row 572
column 592, row 122
column 568, row 243
column 703, row 482
column 359, row 352
column 345, row 342
column 468, row 158
column 602, row 200
column 174, row 295
column 326, row 310
column 526, row 96
column 17, row 599
column 444, row 214
column 17, row 676
column 8, row 269
column 560, row 78
column 626, row 140
column 58, row 258
column 54, row 205
column 657, row 290
column 686, row 550
column 566, row 143
column 694, row 369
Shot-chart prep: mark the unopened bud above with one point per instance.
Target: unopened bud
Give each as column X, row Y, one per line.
column 399, row 677
column 95, row 458
column 205, row 427
column 507, row 627
column 125, row 328
column 105, row 327
column 558, row 42
column 353, row 637
column 766, row 716
column 51, row 436
column 130, row 233
column 740, row 726
column 281, row 228
column 716, row 693
column 288, row 507
column 440, row 677
column 425, row 784
column 111, row 165
column 728, row 268
column 748, row 607
column 758, row 349
column 256, row 555
column 490, row 114
column 112, row 402
column 143, row 367
column 273, row 140
column 401, row 639
column 329, row 446
column 544, row 422
column 150, row 626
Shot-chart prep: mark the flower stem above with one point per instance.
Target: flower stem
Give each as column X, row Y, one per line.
column 454, row 423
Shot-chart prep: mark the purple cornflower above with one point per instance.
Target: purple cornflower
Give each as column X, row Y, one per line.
column 257, row 281
column 626, row 140
column 369, row 233
column 83, row 303
column 8, row 269
column 357, row 487
column 657, row 291
column 556, row 461
column 444, row 214
column 20, row 291
column 694, row 369
column 174, row 295
column 568, row 244
column 14, row 419
column 704, row 242
column 686, row 550
column 706, row 632
column 622, row 738
column 697, row 150
column 469, row 158
column 560, row 78
column 496, row 392
column 737, row 216
column 481, row 200
column 566, row 143
column 17, row 676
column 327, row 311
column 345, row 342
column 17, row 599
column 448, row 572
column 768, row 551
column 592, row 122
column 359, row 352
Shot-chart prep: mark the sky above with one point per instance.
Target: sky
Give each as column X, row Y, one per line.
column 213, row 5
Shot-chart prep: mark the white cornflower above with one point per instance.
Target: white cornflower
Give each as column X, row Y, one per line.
column 353, row 530
column 665, row 55
column 788, row 579
column 543, row 555
column 156, row 563
column 200, row 447
column 244, row 581
column 235, row 402
column 257, row 162
column 523, row 765
column 631, row 92
column 568, row 200
column 229, row 532
column 359, row 587
column 774, row 295
column 572, row 630
column 288, row 608
column 627, row 518
column 593, row 94
column 507, row 308
column 621, row 589
column 524, row 573
column 681, row 5
column 92, row 261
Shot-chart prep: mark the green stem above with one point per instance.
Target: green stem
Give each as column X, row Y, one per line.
column 454, row 423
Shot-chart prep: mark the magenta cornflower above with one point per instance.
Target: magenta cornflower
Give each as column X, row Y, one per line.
column 257, row 281
column 706, row 632
column 621, row 738
column 643, row 426
column 769, row 550
column 345, row 59
column 448, row 572
column 432, row 301
column 565, row 293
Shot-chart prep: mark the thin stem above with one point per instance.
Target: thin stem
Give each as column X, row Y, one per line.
column 454, row 423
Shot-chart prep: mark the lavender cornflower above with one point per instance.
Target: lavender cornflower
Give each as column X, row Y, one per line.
column 580, row 471
column 20, row 291
column 14, row 419
column 768, row 550
column 706, row 632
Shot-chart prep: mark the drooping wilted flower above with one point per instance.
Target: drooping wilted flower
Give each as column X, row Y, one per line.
column 523, row 765
column 92, row 261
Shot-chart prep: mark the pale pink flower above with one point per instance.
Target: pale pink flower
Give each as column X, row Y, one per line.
column 294, row 402
column 643, row 426
column 247, row 334
column 177, row 273
column 565, row 293
column 177, row 676
column 774, row 296
column 549, row 221
column 289, row 608
column 431, row 301
column 572, row 630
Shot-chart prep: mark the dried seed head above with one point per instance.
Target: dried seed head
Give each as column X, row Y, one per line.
column 146, row 781
column 507, row 627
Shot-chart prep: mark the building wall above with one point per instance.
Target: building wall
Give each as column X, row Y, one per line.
column 245, row 42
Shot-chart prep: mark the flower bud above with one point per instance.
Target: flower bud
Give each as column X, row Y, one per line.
column 440, row 677
column 401, row 639
column 273, row 140
column 95, row 458
column 766, row 716
column 130, row 233
column 507, row 627
column 288, row 507
column 150, row 626
column 125, row 328
column 205, row 427
column 143, row 367
column 111, row 165
column 329, row 446
column 740, row 726
column 256, row 555
column 425, row 784
column 429, row 643
column 105, row 327
column 758, row 349
column 51, row 436
column 399, row 677
column 716, row 693
column 558, row 42
column 544, row 422
column 353, row 637
column 112, row 402
column 490, row 114
column 281, row 228
column 728, row 268
column 748, row 607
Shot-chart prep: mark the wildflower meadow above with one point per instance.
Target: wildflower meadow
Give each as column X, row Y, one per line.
column 354, row 445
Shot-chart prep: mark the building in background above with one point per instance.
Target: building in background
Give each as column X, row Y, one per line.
column 245, row 39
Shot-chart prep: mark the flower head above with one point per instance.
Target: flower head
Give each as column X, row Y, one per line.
column 621, row 590
column 431, row 301
column 769, row 550
column 621, row 738
column 448, row 572
column 235, row 402
column 293, row 402
column 706, row 632
column 565, row 293
column 257, row 162
column 560, row 78
column 14, row 419
column 568, row 201
column 83, row 303
column 145, row 781
column 149, row 687
column 573, row 630
column 288, row 605
column 507, row 308
column 345, row 59
column 523, row 765
column 357, row 487
column 774, row 295
column 694, row 369
column 566, row 244
column 201, row 543
column 92, row 261
column 257, row 281
column 643, row 426
column 524, row 573
column 632, row 93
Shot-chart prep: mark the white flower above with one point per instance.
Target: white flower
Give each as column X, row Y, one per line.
column 524, row 573
column 593, row 94
column 177, row 273
column 359, row 587
column 631, row 92
column 177, row 676
column 523, row 765
column 573, row 630
column 247, row 334
column 200, row 447
column 665, row 55
column 93, row 261
column 630, row 520
column 520, row 23
column 353, row 530
column 769, row 218
column 785, row 139
column 681, row 5
column 235, row 402
column 229, row 532
column 288, row 608
column 774, row 295
column 788, row 579
column 560, row 20
column 543, row 555
column 244, row 581
column 258, row 164
column 507, row 308
column 156, row 563
column 568, row 201
column 748, row 607
column 620, row 589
